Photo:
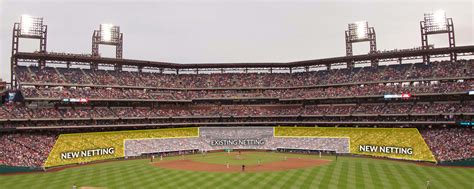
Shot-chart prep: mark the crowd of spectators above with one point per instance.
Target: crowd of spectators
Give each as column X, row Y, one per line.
column 11, row 111
column 421, row 108
column 91, row 139
column 369, row 136
column 32, row 149
column 339, row 145
column 102, row 84
column 210, row 139
column 318, row 92
column 449, row 144
column 22, row 112
column 208, row 136
column 25, row 149
column 222, row 80
column 212, row 133
column 151, row 146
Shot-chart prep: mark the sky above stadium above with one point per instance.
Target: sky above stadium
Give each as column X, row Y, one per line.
column 225, row 31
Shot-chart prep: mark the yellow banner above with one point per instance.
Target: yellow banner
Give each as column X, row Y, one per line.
column 87, row 147
column 397, row 143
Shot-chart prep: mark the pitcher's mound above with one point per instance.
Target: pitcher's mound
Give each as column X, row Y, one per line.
column 290, row 163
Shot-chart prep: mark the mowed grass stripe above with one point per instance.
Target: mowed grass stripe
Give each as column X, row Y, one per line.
column 200, row 181
column 285, row 178
column 234, row 181
column 360, row 173
column 334, row 181
column 49, row 180
column 458, row 178
column 445, row 174
column 291, row 180
column 320, row 176
column 218, row 180
column 131, row 180
column 410, row 176
column 464, row 172
column 394, row 180
column 375, row 174
column 438, row 178
column 278, row 179
column 302, row 178
column 58, row 180
column 118, row 175
column 153, row 179
column 351, row 175
column 250, row 179
column 260, row 180
column 172, row 176
column 40, row 180
column 342, row 180
column 186, row 181
column 386, row 176
column 446, row 179
column 419, row 175
column 115, row 176
column 189, row 180
column 308, row 181
column 324, row 183
column 104, row 173
column 119, row 178
column 407, row 176
column 352, row 171
column 126, row 176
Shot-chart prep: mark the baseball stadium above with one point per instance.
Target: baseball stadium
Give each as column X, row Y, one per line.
column 400, row 118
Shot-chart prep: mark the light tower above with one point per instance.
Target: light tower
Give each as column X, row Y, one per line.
column 360, row 32
column 108, row 34
column 437, row 23
column 32, row 28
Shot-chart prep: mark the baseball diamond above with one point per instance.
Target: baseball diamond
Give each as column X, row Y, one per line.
column 359, row 172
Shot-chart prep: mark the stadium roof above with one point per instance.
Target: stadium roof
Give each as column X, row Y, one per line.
column 144, row 63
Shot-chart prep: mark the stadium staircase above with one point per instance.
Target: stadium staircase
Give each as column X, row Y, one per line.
column 21, row 144
column 32, row 73
column 87, row 76
column 466, row 68
column 408, row 71
column 355, row 75
column 4, row 111
column 59, row 74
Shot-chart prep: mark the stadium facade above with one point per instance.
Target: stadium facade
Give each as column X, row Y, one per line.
column 67, row 108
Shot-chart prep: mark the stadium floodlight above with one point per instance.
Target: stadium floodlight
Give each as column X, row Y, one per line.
column 109, row 33
column 31, row 26
column 359, row 30
column 436, row 21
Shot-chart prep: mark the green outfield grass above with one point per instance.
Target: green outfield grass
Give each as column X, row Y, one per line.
column 247, row 158
column 346, row 172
